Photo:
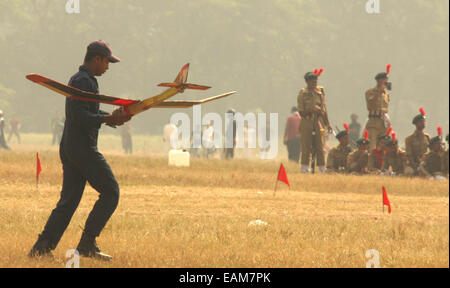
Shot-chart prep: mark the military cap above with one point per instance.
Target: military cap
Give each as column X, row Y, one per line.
column 390, row 142
column 311, row 76
column 381, row 75
column 436, row 139
column 418, row 118
column 362, row 141
column 383, row 136
column 341, row 134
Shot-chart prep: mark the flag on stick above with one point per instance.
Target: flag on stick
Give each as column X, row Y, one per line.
column 282, row 176
column 38, row 168
column 386, row 200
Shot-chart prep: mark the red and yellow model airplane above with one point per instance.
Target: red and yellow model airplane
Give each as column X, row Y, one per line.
column 133, row 107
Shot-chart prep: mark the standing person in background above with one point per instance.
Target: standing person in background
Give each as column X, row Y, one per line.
column 355, row 131
column 168, row 129
column 3, row 144
column 230, row 136
column 377, row 100
column 14, row 128
column 57, row 127
column 292, row 135
column 312, row 108
column 127, row 141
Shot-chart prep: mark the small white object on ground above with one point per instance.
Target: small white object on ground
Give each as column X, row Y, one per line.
column 257, row 222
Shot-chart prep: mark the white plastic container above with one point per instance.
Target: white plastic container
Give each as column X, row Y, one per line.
column 179, row 158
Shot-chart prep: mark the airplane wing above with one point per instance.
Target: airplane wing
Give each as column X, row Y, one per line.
column 189, row 103
column 132, row 107
column 75, row 93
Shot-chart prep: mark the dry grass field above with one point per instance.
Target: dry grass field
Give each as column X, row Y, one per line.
column 199, row 216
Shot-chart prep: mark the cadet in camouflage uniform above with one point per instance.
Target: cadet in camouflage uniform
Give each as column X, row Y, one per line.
column 416, row 145
column 312, row 109
column 377, row 100
column 337, row 157
column 358, row 160
column 395, row 159
column 376, row 155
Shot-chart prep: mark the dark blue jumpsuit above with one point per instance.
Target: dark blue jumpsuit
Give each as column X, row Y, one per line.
column 82, row 163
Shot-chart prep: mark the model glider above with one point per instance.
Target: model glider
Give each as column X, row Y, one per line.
column 133, row 107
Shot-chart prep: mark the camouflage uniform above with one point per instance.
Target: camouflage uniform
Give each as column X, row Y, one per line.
column 337, row 158
column 357, row 162
column 396, row 161
column 306, row 100
column 377, row 101
column 416, row 146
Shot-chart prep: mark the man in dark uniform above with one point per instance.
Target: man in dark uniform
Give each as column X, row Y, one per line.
column 82, row 162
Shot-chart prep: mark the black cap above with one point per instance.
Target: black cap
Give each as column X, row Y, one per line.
column 390, row 142
column 341, row 134
column 311, row 76
column 362, row 141
column 418, row 118
column 104, row 49
column 381, row 75
column 383, row 136
column 436, row 139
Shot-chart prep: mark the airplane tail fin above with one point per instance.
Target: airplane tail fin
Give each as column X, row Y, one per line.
column 181, row 81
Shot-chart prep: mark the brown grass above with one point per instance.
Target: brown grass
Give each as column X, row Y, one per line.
column 198, row 216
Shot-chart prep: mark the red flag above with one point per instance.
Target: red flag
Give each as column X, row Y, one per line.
column 282, row 176
column 38, row 167
column 386, row 200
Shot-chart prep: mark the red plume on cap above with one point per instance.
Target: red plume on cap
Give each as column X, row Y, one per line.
column 316, row 71
column 394, row 137
column 439, row 129
column 346, row 127
column 422, row 111
column 320, row 71
column 388, row 68
column 389, row 130
column 366, row 135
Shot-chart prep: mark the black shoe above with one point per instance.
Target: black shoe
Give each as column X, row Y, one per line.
column 42, row 248
column 88, row 248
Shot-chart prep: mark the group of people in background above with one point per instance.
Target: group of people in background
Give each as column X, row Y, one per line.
column 14, row 130
column 377, row 152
